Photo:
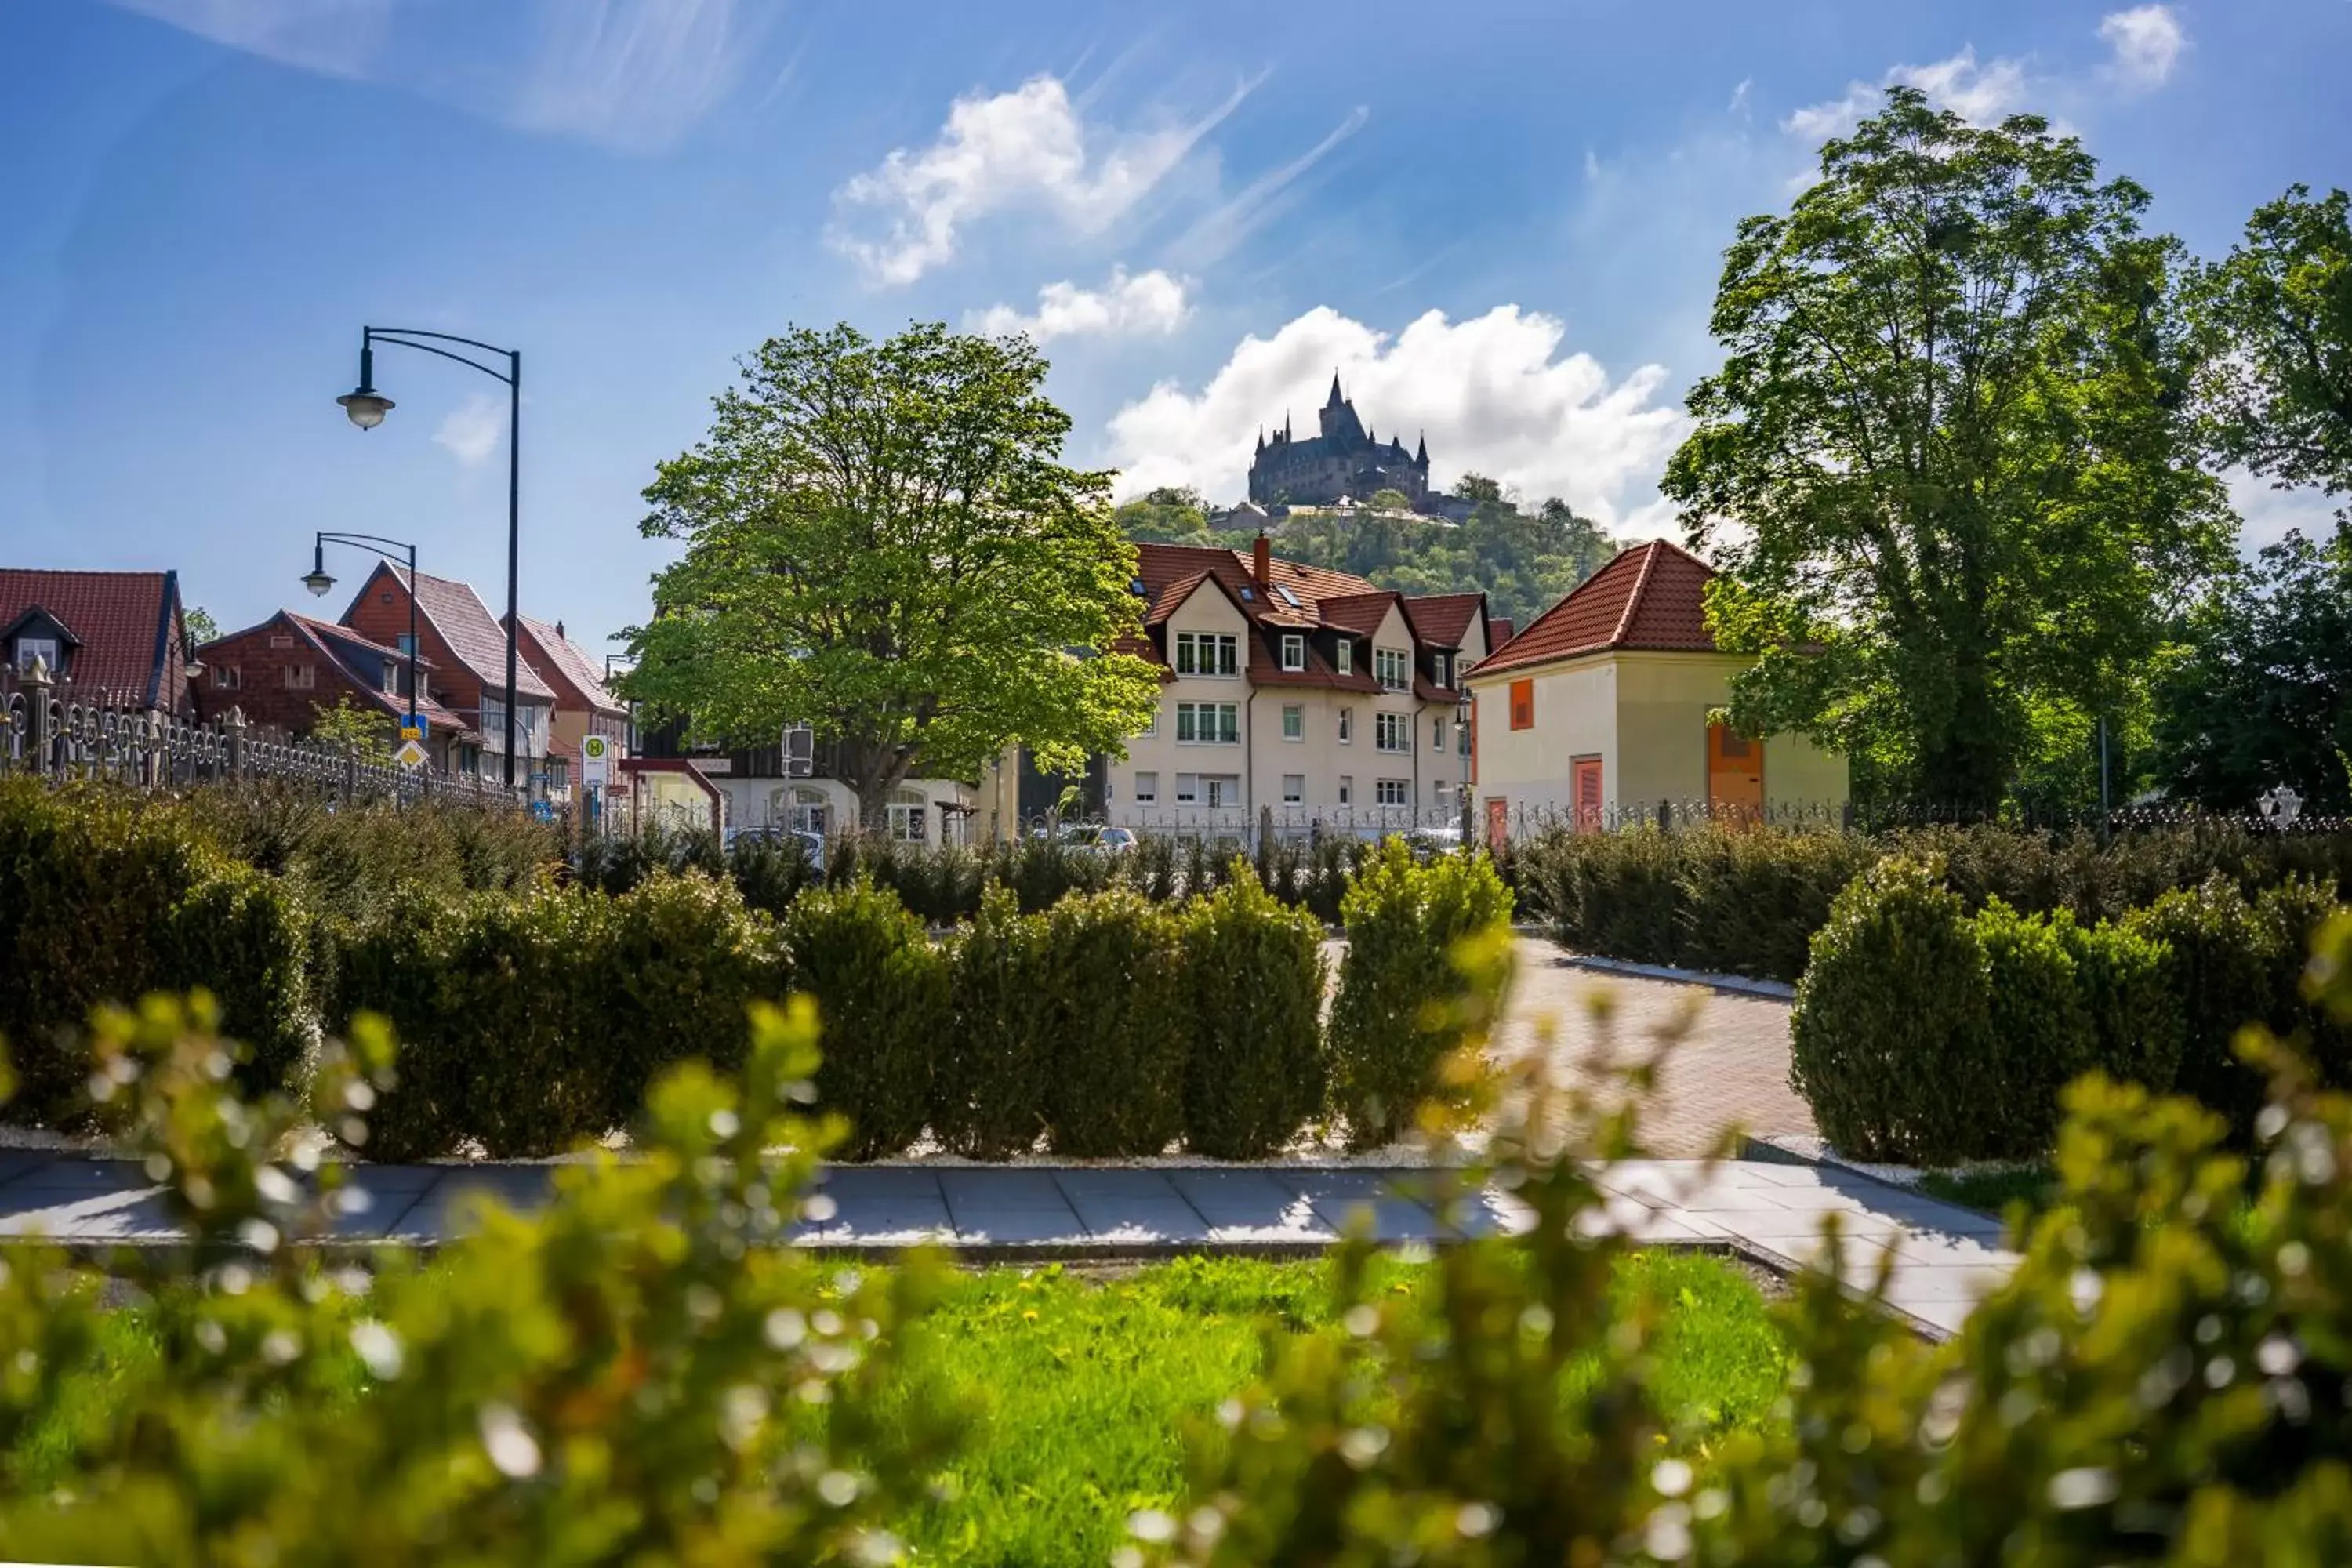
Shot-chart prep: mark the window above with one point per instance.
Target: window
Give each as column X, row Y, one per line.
column 1461, row 739
column 1437, row 735
column 559, row 772
column 43, row 648
column 1294, row 721
column 279, row 641
column 1294, row 788
column 1294, row 651
column 1523, row 704
column 302, row 677
column 1346, row 723
column 1146, row 788
column 1220, row 791
column 1152, row 727
column 1188, row 788
column 1208, row 723
column 1347, row 788
column 228, row 678
column 1438, row 668
column 909, row 812
column 1392, row 731
column 1206, row 652
column 1393, row 792
column 1346, row 651
column 806, row 812
column 401, row 643
column 1441, row 795
column 1390, row 667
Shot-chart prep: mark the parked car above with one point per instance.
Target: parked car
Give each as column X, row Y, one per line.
column 1092, row 835
column 812, row 845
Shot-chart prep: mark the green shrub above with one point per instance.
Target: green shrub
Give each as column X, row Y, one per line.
column 2221, row 970
column 1752, row 900
column 395, row 966
column 2133, row 1016
column 1893, row 1022
column 2039, row 1037
column 989, row 1082
column 1253, row 984
column 104, row 897
column 675, row 965
column 1118, row 1039
column 1403, row 1004
column 514, row 1009
column 881, row 990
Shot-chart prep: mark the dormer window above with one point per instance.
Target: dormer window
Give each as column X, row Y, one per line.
column 1438, row 665
column 30, row 648
column 1294, row 651
column 1346, row 651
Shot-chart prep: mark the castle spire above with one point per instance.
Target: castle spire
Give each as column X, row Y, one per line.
column 1261, row 440
column 1336, row 398
column 1422, row 456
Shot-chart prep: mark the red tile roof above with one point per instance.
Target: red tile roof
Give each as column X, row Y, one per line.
column 1498, row 631
column 124, row 626
column 1652, row 596
column 1443, row 619
column 465, row 623
column 324, row 638
column 345, row 634
column 572, row 663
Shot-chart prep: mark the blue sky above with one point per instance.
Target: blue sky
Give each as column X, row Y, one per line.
column 1501, row 222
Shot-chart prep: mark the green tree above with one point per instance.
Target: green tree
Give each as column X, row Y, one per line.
column 366, row 731
column 1168, row 515
column 2277, row 391
column 2265, row 696
column 1945, row 465
column 881, row 541
column 1390, row 500
column 1478, row 486
column 199, row 626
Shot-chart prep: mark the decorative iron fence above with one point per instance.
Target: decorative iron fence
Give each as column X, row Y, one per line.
column 50, row 730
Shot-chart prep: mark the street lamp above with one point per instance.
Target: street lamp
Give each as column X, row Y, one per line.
column 366, row 409
column 320, row 582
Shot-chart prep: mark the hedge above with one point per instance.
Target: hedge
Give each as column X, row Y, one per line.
column 103, row 898
column 1748, row 901
column 989, row 1085
column 1255, row 1071
column 882, row 995
column 1924, row 1033
column 1121, row 1029
column 1405, row 1001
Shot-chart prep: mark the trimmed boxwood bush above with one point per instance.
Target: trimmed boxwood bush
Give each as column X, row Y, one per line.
column 1117, row 1046
column 2135, row 1019
column 2039, row 1035
column 1891, row 1026
column 1403, row 1004
column 677, row 963
column 105, row 897
column 988, row 1085
column 881, row 992
column 1254, row 988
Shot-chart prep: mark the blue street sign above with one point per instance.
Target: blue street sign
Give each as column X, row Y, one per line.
column 413, row 722
column 543, row 809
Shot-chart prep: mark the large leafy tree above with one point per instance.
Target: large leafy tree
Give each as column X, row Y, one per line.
column 2277, row 387
column 1945, row 465
column 2265, row 696
column 882, row 542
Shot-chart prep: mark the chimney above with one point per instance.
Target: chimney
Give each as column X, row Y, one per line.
column 1262, row 562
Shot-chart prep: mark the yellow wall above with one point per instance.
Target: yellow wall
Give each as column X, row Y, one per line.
column 1644, row 715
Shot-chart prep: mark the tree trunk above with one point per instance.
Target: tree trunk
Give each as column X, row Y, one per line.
column 874, row 771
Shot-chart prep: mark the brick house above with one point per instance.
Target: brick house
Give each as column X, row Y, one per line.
column 117, row 636
column 282, row 672
column 584, row 706
column 467, row 649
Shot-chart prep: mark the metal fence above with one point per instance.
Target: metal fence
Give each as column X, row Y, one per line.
column 50, row 730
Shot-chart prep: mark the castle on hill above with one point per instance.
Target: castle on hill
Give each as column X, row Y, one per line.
column 1345, row 460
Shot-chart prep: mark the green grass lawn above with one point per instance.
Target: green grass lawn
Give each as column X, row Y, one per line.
column 1082, row 1386
column 1994, row 1190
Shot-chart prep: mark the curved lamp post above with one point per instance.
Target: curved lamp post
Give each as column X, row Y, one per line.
column 319, row 583
column 366, row 407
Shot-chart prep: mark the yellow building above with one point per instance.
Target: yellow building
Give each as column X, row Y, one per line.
column 1598, row 712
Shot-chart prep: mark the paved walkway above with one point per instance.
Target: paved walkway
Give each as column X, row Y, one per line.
column 1944, row 1256
column 1730, row 1068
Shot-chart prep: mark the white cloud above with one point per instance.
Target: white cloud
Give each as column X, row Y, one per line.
column 1214, row 237
column 332, row 37
column 471, row 430
column 1980, row 94
column 1026, row 149
column 2146, row 40
column 634, row 74
column 1492, row 393
column 2268, row 513
column 1144, row 303
column 1738, row 104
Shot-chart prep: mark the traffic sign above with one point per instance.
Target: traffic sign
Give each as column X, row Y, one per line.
column 413, row 727
column 410, row 754
column 595, row 758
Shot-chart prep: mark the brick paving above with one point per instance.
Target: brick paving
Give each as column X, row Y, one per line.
column 1729, row 1070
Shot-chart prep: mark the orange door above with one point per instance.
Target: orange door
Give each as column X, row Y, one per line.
column 1498, row 821
column 1587, row 778
column 1735, row 775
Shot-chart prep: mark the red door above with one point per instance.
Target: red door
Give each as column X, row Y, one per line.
column 1498, row 821
column 1587, row 784
column 1735, row 776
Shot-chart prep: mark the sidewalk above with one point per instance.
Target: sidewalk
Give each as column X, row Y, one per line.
column 1945, row 1256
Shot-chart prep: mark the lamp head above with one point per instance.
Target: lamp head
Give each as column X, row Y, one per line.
column 366, row 406
column 318, row 581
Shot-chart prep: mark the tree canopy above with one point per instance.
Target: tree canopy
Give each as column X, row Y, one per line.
column 1947, row 466
column 2277, row 386
column 881, row 541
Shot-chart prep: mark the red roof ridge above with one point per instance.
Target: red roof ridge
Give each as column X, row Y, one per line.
column 1641, row 579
